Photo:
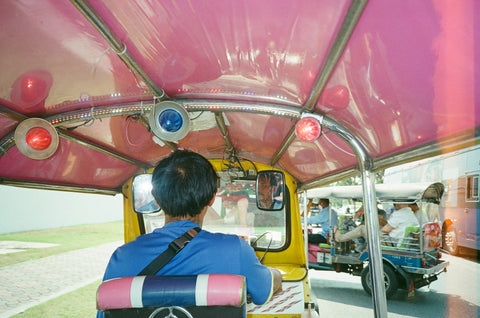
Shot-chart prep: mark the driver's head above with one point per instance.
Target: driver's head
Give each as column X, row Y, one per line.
column 265, row 190
column 324, row 202
column 184, row 183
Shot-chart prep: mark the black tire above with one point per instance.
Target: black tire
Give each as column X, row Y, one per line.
column 391, row 280
column 449, row 240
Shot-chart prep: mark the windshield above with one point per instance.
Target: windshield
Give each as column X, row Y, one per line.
column 235, row 212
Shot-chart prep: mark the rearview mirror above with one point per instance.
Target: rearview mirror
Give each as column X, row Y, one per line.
column 270, row 190
column 143, row 200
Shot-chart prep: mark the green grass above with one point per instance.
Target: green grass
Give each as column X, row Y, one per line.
column 79, row 303
column 69, row 238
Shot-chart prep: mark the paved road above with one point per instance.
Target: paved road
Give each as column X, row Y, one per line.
column 454, row 294
column 30, row 283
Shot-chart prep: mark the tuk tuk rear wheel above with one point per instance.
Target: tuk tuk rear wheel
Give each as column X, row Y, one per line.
column 390, row 278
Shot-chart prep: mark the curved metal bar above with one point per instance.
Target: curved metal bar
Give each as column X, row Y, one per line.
column 374, row 249
column 83, row 115
column 305, row 223
column 371, row 216
column 243, row 107
column 452, row 142
column 8, row 113
column 139, row 108
column 349, row 22
column 93, row 113
column 120, row 48
column 86, row 114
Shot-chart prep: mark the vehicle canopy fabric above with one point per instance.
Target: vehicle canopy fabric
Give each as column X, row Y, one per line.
column 398, row 75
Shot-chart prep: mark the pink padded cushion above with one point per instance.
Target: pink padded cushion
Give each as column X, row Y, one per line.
column 115, row 293
column 191, row 290
column 224, row 290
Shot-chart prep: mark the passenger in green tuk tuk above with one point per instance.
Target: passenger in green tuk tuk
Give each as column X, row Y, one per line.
column 399, row 220
column 359, row 231
column 184, row 186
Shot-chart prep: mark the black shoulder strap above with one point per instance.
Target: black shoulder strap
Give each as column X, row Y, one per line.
column 173, row 248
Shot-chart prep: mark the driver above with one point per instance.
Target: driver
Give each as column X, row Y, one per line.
column 323, row 219
column 184, row 186
column 267, row 187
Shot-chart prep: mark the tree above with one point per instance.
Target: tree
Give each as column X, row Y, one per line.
column 356, row 180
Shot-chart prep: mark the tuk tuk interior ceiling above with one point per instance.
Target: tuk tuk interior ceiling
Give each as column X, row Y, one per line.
column 406, row 78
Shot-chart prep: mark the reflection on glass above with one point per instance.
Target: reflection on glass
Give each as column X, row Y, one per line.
column 143, row 201
column 235, row 212
column 270, row 190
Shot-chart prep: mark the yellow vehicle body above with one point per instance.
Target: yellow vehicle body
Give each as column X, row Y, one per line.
column 291, row 260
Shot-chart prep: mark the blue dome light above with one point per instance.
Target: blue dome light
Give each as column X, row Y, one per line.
column 170, row 120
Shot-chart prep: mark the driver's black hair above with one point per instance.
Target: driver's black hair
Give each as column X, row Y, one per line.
column 270, row 178
column 184, row 183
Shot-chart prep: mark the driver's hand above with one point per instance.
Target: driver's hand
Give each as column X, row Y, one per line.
column 277, row 280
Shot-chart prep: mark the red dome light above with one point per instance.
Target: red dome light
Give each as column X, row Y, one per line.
column 308, row 129
column 38, row 138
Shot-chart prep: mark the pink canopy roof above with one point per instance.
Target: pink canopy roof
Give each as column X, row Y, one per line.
column 403, row 79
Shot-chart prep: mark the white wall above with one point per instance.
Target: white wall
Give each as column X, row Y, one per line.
column 26, row 209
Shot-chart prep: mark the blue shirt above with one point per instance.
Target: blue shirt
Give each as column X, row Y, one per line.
column 207, row 253
column 323, row 218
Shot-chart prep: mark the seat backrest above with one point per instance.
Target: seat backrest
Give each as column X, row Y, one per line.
column 205, row 295
column 409, row 240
